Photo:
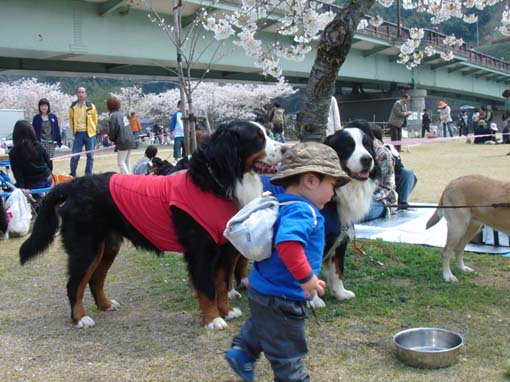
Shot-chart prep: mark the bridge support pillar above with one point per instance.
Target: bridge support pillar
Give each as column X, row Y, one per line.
column 417, row 99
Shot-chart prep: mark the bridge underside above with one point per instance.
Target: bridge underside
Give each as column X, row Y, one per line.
column 115, row 39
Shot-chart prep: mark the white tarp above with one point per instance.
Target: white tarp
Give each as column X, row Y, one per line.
column 408, row 226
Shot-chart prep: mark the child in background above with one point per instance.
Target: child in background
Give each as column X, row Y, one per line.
column 280, row 286
column 142, row 167
column 269, row 131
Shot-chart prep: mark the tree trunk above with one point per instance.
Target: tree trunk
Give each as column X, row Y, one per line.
column 334, row 45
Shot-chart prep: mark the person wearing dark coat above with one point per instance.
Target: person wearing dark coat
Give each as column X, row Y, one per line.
column 119, row 131
column 46, row 127
column 30, row 163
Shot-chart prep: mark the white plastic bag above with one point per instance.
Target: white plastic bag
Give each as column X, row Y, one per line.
column 18, row 213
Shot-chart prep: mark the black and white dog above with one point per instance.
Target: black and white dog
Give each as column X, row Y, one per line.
column 355, row 148
column 185, row 212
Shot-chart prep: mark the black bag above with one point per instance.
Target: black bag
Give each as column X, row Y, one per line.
column 405, row 122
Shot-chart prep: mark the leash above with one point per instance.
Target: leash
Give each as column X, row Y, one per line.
column 493, row 205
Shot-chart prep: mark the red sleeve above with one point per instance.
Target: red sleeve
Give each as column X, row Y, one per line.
column 293, row 256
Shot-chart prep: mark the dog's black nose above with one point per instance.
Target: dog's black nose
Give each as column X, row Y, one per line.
column 366, row 161
column 283, row 149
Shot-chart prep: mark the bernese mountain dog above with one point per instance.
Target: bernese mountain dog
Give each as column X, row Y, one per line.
column 184, row 212
column 355, row 148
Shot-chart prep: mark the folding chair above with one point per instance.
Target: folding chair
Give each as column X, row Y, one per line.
column 7, row 187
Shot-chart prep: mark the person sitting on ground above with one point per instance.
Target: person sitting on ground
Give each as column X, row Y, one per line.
column 280, row 286
column 142, row 167
column 405, row 179
column 30, row 163
column 385, row 194
column 483, row 132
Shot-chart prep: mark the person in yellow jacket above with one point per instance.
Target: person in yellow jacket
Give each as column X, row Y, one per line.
column 83, row 122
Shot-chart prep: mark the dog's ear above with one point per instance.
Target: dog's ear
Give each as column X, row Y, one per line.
column 223, row 151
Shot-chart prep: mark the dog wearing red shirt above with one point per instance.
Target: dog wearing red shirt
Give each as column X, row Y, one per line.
column 185, row 212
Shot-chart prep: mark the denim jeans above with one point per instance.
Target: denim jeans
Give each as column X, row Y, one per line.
column 82, row 139
column 377, row 210
column 136, row 136
column 405, row 182
column 45, row 183
column 178, row 147
column 279, row 137
column 448, row 125
column 277, row 328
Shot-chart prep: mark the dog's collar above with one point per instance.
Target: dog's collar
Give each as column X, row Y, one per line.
column 228, row 192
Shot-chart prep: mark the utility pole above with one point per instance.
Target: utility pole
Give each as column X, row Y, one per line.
column 399, row 31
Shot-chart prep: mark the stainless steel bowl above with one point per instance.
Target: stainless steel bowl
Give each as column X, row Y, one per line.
column 428, row 348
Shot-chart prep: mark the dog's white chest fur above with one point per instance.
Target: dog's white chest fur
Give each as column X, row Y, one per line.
column 247, row 189
column 353, row 200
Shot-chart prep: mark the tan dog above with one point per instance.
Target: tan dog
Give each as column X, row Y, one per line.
column 464, row 223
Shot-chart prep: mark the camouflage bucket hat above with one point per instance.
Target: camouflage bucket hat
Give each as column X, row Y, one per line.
column 310, row 157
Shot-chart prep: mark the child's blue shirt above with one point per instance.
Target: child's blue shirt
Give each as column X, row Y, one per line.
column 295, row 222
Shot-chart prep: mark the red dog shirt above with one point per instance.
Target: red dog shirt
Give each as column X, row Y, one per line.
column 145, row 202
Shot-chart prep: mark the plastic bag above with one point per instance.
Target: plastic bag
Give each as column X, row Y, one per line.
column 18, row 213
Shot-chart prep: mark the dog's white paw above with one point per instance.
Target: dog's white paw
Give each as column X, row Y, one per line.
column 467, row 269
column 85, row 322
column 217, row 324
column 450, row 278
column 244, row 283
column 234, row 313
column 234, row 295
column 317, row 302
column 343, row 294
column 115, row 306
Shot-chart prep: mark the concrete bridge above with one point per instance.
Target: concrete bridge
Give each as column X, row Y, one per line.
column 116, row 38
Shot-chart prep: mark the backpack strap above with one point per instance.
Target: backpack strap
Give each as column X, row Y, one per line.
column 309, row 206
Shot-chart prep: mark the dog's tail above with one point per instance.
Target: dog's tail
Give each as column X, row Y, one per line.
column 46, row 224
column 437, row 215
column 434, row 219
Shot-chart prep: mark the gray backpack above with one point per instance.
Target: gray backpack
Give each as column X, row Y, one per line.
column 250, row 230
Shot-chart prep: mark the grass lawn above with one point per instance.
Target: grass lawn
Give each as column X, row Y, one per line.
column 156, row 335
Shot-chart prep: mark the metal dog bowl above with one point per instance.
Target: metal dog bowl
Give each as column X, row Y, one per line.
column 428, row 348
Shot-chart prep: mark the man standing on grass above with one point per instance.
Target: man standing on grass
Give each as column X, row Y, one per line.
column 83, row 122
column 136, row 128
column 176, row 130
column 398, row 119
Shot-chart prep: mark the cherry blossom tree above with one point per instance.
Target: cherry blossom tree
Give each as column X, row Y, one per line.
column 185, row 41
column 332, row 29
column 25, row 94
column 218, row 102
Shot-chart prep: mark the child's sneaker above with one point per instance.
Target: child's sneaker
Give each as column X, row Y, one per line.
column 241, row 363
